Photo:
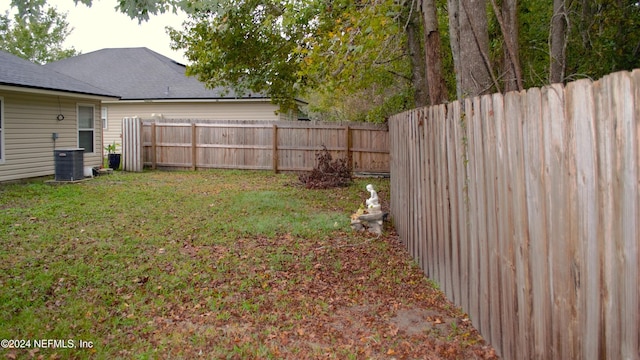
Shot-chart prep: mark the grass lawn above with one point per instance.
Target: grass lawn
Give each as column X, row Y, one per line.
column 212, row 264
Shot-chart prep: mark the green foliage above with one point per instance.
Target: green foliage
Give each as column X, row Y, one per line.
column 246, row 45
column 359, row 68
column 604, row 38
column 36, row 35
column 286, row 49
column 111, row 148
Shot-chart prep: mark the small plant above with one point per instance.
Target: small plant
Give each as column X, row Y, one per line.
column 327, row 173
column 111, row 148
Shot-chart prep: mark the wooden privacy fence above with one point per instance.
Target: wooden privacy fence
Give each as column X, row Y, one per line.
column 280, row 146
column 525, row 209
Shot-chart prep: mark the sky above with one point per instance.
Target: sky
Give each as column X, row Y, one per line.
column 101, row 26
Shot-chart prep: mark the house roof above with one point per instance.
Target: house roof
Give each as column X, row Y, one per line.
column 18, row 72
column 139, row 74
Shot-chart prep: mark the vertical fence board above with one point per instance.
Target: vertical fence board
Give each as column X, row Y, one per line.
column 536, row 210
column 461, row 120
column 508, row 298
column 633, row 300
column 474, row 252
column 453, row 158
column 423, row 242
column 437, row 198
column 480, row 218
column 606, row 138
column 628, row 183
column 443, row 170
column 431, row 233
column 492, row 216
column 555, row 135
column 580, row 108
column 518, row 221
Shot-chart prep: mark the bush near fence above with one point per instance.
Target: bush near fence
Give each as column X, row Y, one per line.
column 525, row 208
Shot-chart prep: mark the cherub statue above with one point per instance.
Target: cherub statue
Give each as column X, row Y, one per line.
column 372, row 203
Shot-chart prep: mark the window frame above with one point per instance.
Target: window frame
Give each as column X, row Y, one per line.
column 104, row 116
column 92, row 129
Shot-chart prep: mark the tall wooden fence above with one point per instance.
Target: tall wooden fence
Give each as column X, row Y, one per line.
column 278, row 146
column 525, row 209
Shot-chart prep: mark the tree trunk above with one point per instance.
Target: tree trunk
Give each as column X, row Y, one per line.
column 509, row 24
column 420, row 95
column 558, row 42
column 474, row 74
column 454, row 41
column 433, row 53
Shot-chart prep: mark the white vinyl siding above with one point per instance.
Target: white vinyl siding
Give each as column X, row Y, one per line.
column 1, row 130
column 86, row 128
column 28, row 122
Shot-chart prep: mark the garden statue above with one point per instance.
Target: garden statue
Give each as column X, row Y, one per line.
column 373, row 204
column 370, row 219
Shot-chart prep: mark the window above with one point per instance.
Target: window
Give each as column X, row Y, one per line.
column 1, row 129
column 86, row 131
column 104, row 117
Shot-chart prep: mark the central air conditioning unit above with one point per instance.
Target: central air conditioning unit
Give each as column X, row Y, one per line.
column 69, row 164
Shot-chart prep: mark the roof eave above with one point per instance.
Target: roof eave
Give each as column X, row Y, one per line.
column 57, row 92
column 193, row 100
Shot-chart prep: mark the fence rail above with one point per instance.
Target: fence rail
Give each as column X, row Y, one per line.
column 279, row 146
column 525, row 209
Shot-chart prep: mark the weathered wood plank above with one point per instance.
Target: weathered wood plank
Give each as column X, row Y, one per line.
column 474, row 248
column 519, row 222
column 508, row 297
column 492, row 213
column 432, row 224
column 555, row 136
column 626, row 193
column 423, row 184
column 461, row 138
column 453, row 159
column 536, row 209
column 447, row 238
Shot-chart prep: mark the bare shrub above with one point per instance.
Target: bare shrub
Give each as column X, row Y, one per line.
column 327, row 173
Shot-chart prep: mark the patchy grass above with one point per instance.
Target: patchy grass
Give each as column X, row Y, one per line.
column 213, row 264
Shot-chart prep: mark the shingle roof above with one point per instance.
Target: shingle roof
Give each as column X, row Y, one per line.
column 139, row 74
column 15, row 71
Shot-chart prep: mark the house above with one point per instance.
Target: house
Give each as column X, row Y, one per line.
column 151, row 85
column 42, row 110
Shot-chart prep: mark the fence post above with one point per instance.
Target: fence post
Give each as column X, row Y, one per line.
column 348, row 143
column 274, row 154
column 153, row 145
column 194, row 148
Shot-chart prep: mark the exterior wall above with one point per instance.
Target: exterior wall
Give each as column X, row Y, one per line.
column 29, row 122
column 250, row 110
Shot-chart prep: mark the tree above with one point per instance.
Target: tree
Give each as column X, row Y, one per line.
column 366, row 59
column 508, row 21
column 558, row 41
column 433, row 55
column 36, row 35
column 470, row 47
column 334, row 50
